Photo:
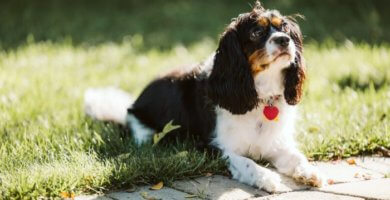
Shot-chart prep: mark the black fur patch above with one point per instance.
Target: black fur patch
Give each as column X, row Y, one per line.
column 179, row 98
column 231, row 84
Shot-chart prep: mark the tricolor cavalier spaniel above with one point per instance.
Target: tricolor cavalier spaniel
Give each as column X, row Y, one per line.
column 241, row 100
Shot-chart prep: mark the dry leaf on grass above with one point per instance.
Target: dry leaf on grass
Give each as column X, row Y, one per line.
column 158, row 186
column 167, row 129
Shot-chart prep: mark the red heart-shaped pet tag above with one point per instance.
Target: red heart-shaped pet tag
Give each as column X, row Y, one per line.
column 270, row 112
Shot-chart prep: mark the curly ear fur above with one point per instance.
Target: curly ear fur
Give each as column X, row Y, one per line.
column 294, row 75
column 258, row 6
column 231, row 85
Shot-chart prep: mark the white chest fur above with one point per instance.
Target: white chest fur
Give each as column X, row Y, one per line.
column 252, row 134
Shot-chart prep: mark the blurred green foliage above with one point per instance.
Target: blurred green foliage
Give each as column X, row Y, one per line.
column 164, row 23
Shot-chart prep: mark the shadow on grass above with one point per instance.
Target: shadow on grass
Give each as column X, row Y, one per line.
column 164, row 23
column 169, row 161
column 353, row 82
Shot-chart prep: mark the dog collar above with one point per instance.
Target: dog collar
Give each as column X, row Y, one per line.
column 270, row 100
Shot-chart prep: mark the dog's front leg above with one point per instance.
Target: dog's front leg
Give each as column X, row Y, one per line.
column 249, row 172
column 290, row 161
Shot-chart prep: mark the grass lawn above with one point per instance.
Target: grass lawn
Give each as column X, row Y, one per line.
column 48, row 145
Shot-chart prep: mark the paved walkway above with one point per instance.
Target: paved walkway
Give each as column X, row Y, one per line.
column 367, row 178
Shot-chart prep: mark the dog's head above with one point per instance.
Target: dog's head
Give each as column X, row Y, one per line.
column 252, row 43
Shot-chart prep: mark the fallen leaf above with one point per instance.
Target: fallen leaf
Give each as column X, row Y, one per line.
column 67, row 195
column 351, row 161
column 167, row 128
column 208, row 174
column 158, row 186
column 330, row 181
column 191, row 196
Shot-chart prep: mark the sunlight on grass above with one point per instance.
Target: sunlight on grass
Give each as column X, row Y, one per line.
column 339, row 119
column 48, row 146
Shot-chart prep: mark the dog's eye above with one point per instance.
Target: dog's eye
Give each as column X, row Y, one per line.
column 285, row 27
column 256, row 34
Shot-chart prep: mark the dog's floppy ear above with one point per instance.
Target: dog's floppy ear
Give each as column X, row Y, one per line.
column 231, row 84
column 294, row 75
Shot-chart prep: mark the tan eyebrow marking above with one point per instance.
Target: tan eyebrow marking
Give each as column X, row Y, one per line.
column 263, row 21
column 276, row 21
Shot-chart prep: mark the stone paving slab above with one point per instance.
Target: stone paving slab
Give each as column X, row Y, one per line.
column 371, row 189
column 218, row 187
column 378, row 164
column 307, row 195
column 143, row 193
column 365, row 179
column 91, row 197
column 342, row 172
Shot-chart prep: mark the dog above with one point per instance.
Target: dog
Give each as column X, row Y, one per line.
column 242, row 100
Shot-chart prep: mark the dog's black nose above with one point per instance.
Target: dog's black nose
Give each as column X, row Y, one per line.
column 282, row 41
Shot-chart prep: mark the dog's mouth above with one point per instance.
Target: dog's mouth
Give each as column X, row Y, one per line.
column 281, row 54
column 260, row 62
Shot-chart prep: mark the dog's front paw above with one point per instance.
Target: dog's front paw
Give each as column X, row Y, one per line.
column 268, row 181
column 309, row 175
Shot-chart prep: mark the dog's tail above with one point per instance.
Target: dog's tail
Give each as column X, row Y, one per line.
column 107, row 104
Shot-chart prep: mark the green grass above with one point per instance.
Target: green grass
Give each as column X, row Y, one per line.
column 343, row 118
column 49, row 146
column 51, row 51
